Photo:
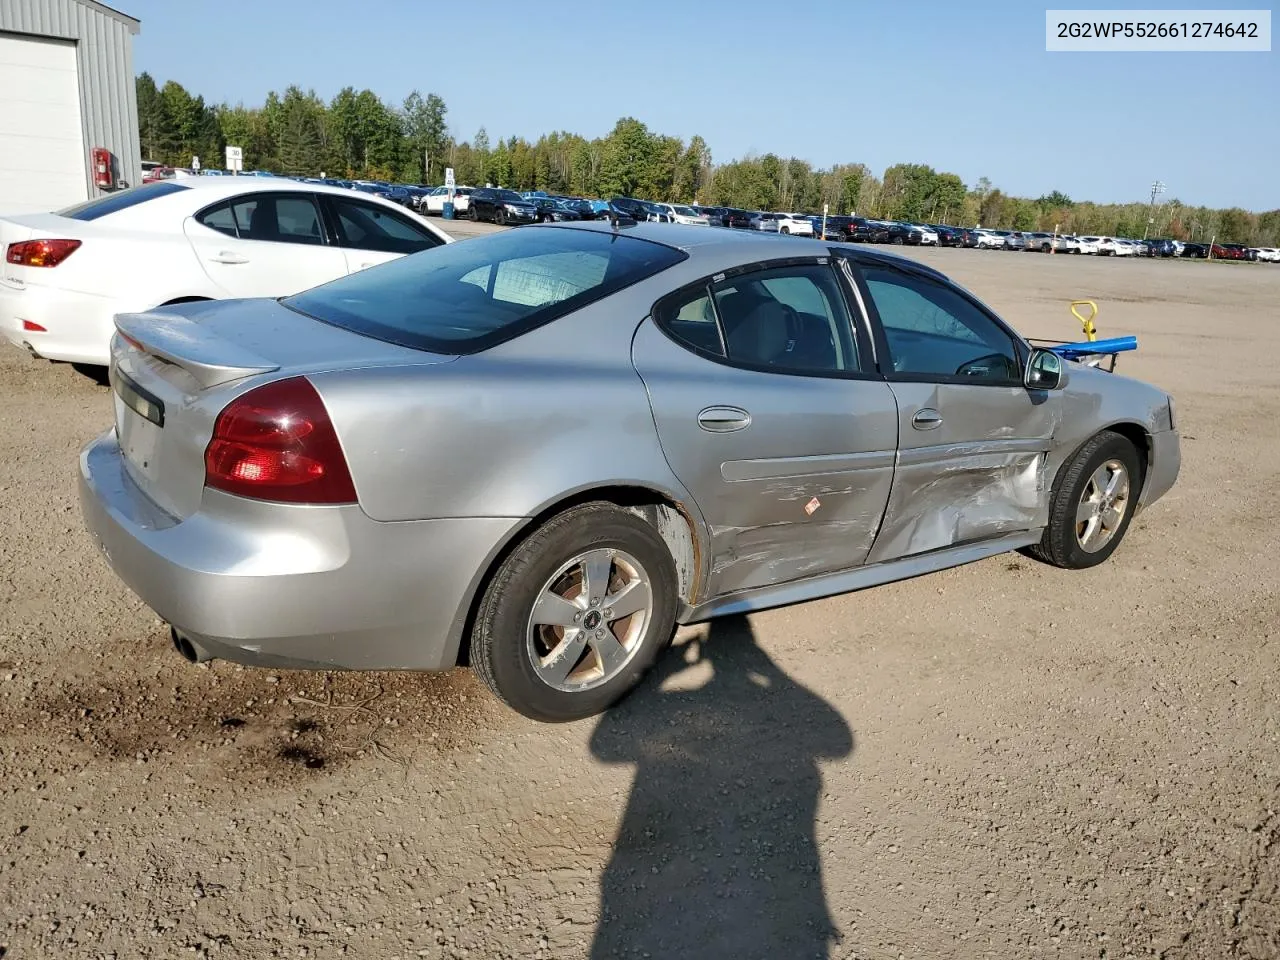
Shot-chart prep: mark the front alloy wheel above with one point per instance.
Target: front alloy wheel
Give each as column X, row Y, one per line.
column 1092, row 503
column 1104, row 503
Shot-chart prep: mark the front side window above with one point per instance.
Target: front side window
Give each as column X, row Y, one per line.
column 935, row 333
column 367, row 226
column 783, row 320
column 464, row 297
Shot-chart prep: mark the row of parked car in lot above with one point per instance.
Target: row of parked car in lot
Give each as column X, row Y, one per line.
column 509, row 207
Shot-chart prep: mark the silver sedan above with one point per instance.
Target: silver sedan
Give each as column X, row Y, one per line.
column 538, row 451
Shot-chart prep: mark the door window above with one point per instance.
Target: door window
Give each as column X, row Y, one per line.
column 368, row 226
column 784, row 320
column 267, row 217
column 934, row 333
column 220, row 218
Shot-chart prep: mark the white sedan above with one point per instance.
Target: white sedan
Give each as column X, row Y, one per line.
column 1125, row 248
column 928, row 235
column 67, row 274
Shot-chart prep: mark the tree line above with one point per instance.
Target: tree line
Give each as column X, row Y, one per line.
column 359, row 135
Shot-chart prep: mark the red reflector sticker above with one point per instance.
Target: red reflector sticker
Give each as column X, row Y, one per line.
column 33, row 327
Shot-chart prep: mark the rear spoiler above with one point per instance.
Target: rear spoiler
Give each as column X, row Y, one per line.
column 182, row 341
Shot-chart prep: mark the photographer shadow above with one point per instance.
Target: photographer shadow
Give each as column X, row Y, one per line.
column 717, row 855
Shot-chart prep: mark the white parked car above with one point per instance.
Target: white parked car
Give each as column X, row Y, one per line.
column 795, row 223
column 1269, row 254
column 989, row 240
column 1087, row 244
column 928, row 235
column 1103, row 246
column 1125, row 248
column 433, row 202
column 65, row 275
column 679, row 213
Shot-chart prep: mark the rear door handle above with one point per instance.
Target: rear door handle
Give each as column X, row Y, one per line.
column 723, row 419
column 226, row 256
column 926, row 419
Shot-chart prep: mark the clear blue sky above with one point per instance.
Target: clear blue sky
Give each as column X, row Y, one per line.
column 965, row 87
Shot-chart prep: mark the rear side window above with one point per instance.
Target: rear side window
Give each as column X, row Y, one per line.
column 368, row 226
column 273, row 218
column 121, row 200
column 465, row 297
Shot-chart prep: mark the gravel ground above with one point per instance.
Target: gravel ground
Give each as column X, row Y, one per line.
column 1003, row 760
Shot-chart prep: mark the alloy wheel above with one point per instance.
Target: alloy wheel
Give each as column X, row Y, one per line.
column 589, row 619
column 1103, row 505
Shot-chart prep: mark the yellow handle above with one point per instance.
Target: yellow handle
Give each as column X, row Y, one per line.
column 1090, row 331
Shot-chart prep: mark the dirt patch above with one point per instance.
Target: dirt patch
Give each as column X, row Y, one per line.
column 241, row 724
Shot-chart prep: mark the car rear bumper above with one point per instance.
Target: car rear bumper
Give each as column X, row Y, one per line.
column 291, row 586
column 77, row 326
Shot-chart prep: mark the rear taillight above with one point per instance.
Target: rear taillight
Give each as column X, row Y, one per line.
column 40, row 253
column 278, row 443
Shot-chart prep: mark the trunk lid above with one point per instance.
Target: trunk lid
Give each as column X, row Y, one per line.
column 174, row 369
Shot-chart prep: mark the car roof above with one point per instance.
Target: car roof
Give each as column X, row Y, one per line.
column 229, row 185
column 719, row 242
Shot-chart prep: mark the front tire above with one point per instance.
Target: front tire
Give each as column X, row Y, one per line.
column 473, row 213
column 576, row 615
column 1092, row 503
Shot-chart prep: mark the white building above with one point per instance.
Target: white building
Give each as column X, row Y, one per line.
column 66, row 88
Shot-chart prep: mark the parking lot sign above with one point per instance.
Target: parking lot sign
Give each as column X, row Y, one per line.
column 235, row 159
column 448, row 176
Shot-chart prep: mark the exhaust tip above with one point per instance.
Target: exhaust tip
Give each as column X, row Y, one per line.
column 188, row 650
column 32, row 350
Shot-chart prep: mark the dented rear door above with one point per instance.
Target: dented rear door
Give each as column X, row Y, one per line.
column 791, row 472
column 973, row 442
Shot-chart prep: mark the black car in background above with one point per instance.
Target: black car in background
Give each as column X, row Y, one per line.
column 862, row 230
column 1198, row 250
column 837, row 228
column 637, row 210
column 581, row 207
column 553, row 211
column 950, row 236
column 738, row 219
column 500, row 206
column 904, row 233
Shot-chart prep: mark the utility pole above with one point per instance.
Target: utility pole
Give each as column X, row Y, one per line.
column 1157, row 188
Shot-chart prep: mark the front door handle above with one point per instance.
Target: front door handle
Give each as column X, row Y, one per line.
column 723, row 419
column 926, row 419
column 226, row 256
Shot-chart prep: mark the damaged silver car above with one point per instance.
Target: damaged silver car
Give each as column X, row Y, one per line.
column 538, row 451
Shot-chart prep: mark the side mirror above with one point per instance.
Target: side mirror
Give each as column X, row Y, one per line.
column 1044, row 371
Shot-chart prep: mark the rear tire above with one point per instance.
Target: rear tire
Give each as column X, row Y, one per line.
column 538, row 604
column 1092, row 503
column 473, row 213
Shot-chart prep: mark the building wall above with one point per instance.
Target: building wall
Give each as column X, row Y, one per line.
column 104, row 53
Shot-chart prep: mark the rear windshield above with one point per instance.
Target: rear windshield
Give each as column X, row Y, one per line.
column 121, row 200
column 464, row 297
